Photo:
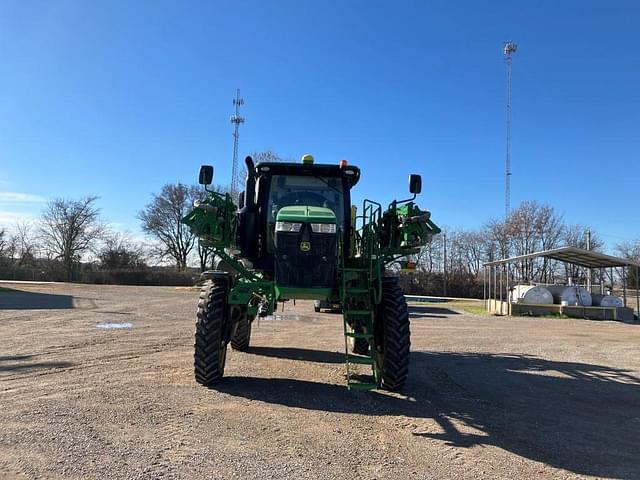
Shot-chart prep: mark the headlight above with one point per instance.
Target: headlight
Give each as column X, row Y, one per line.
column 288, row 227
column 323, row 227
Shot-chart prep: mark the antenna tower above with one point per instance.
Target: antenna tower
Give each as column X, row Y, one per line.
column 508, row 50
column 236, row 119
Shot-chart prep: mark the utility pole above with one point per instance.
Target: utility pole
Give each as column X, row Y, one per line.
column 508, row 50
column 236, row 119
column 589, row 270
column 444, row 275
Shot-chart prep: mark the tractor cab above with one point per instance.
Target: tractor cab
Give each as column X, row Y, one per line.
column 290, row 221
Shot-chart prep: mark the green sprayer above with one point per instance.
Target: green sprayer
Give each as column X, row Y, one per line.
column 293, row 234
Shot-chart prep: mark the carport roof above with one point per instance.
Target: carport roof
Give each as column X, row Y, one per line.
column 574, row 255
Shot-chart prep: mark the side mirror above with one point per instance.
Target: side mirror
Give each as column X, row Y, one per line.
column 206, row 175
column 415, row 184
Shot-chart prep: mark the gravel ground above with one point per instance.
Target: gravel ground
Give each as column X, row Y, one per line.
column 487, row 398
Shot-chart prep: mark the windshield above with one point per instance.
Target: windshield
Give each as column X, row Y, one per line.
column 306, row 190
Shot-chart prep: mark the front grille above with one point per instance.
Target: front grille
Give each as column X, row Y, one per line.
column 315, row 268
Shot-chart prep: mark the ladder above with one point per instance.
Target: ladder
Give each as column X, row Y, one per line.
column 359, row 277
column 357, row 316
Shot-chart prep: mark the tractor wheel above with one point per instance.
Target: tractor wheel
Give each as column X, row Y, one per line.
column 359, row 346
column 210, row 346
column 396, row 337
column 242, row 337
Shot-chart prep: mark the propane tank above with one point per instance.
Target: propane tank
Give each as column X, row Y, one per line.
column 606, row 300
column 570, row 295
column 531, row 295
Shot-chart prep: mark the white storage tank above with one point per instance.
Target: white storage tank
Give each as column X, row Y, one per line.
column 531, row 295
column 606, row 300
column 571, row 294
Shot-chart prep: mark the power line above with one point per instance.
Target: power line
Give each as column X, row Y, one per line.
column 236, row 119
column 508, row 50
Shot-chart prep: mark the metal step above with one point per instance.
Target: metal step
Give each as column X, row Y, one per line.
column 359, row 335
column 360, row 360
column 361, row 386
column 357, row 312
column 357, row 290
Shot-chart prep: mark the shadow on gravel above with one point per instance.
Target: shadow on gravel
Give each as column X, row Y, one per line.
column 429, row 311
column 307, row 355
column 575, row 416
column 8, row 364
column 14, row 358
column 21, row 300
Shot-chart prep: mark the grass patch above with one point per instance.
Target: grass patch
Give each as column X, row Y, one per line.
column 475, row 307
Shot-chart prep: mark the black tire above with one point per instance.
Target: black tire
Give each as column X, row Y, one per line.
column 242, row 337
column 316, row 309
column 393, row 315
column 210, row 347
column 359, row 346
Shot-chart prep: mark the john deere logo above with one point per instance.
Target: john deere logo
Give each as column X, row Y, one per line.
column 305, row 246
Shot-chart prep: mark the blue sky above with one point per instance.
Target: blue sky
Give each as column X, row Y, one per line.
column 116, row 98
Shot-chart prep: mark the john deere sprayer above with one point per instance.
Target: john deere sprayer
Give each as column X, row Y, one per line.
column 294, row 235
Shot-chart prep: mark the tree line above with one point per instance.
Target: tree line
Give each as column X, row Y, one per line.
column 452, row 264
column 71, row 236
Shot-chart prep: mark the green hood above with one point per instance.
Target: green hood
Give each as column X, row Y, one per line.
column 304, row 213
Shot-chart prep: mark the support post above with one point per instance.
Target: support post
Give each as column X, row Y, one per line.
column 611, row 278
column 589, row 269
column 624, row 285
column 501, row 275
column 495, row 285
column 489, row 288
column 484, row 285
column 444, row 275
column 508, row 292
column 638, row 291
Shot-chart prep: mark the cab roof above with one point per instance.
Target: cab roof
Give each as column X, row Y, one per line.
column 350, row 172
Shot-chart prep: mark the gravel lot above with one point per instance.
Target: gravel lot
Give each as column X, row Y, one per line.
column 487, row 397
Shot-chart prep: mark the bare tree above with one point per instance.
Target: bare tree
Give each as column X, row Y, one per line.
column 258, row 157
column 430, row 257
column 629, row 249
column 161, row 219
column 550, row 226
column 473, row 246
column 205, row 254
column 499, row 239
column 533, row 227
column 68, row 228
column 266, row 156
column 25, row 244
column 4, row 242
column 575, row 235
column 120, row 251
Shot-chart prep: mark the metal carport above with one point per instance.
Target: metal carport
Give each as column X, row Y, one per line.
column 495, row 282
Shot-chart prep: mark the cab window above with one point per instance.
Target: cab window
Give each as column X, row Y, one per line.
column 289, row 190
